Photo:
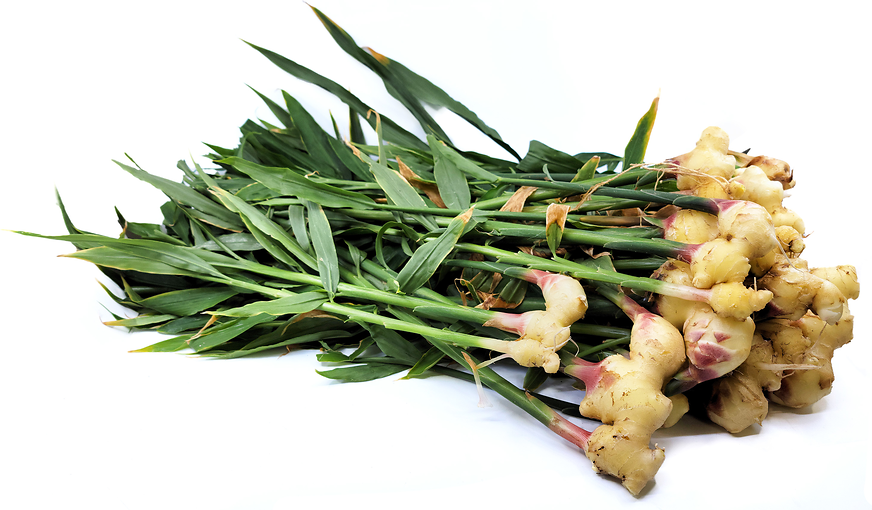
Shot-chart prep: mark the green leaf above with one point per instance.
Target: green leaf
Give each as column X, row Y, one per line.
column 540, row 154
column 354, row 129
column 588, row 170
column 394, row 86
column 392, row 131
column 423, row 90
column 634, row 153
column 297, row 219
column 297, row 340
column 178, row 192
column 222, row 333
column 451, row 182
column 257, row 221
column 289, row 182
column 400, row 192
column 425, row 363
column 534, row 378
column 188, row 301
column 234, row 242
column 363, row 373
column 315, row 140
column 120, row 259
column 393, row 344
column 427, row 258
column 450, row 156
column 325, row 251
column 145, row 231
column 142, row 320
column 172, row 345
column 298, row 303
column 182, row 324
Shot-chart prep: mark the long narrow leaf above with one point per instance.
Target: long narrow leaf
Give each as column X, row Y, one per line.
column 265, row 225
column 217, row 335
column 634, row 153
column 325, row 249
column 427, row 259
column 395, row 87
column 424, row 90
column 188, row 301
column 184, row 259
column 393, row 344
column 393, row 132
column 363, row 372
column 400, row 192
column 442, row 151
column 298, row 303
column 288, row 182
column 315, row 139
column 187, row 196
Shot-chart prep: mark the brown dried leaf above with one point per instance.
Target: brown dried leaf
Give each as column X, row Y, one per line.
column 590, row 251
column 556, row 213
column 666, row 211
column 495, row 301
column 431, row 190
column 517, row 200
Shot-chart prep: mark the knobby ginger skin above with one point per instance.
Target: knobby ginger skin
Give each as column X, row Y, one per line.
column 791, row 241
column 691, row 227
column 738, row 400
column 752, row 184
column 802, row 388
column 844, row 277
column 726, row 299
column 775, row 169
column 795, row 289
column 720, row 261
column 709, row 157
column 544, row 332
column 625, row 394
column 715, row 345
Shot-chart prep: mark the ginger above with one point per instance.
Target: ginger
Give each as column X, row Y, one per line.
column 720, row 261
column 782, row 216
column 680, row 407
column 543, row 332
column 738, row 400
column 626, row 395
column 726, row 299
column 844, row 277
column 692, row 227
column 795, row 290
column 752, row 184
column 734, row 300
column 775, row 169
column 804, row 387
column 791, row 241
column 750, row 222
column 710, row 158
column 715, row 345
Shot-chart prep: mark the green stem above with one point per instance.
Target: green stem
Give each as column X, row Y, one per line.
column 583, row 272
column 658, row 197
column 657, row 247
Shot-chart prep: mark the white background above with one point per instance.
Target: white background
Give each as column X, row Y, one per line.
column 84, row 423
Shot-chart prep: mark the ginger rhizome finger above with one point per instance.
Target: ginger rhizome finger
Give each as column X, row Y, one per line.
column 626, row 395
column 543, row 332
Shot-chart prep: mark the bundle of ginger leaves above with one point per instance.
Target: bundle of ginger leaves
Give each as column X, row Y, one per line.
column 657, row 288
